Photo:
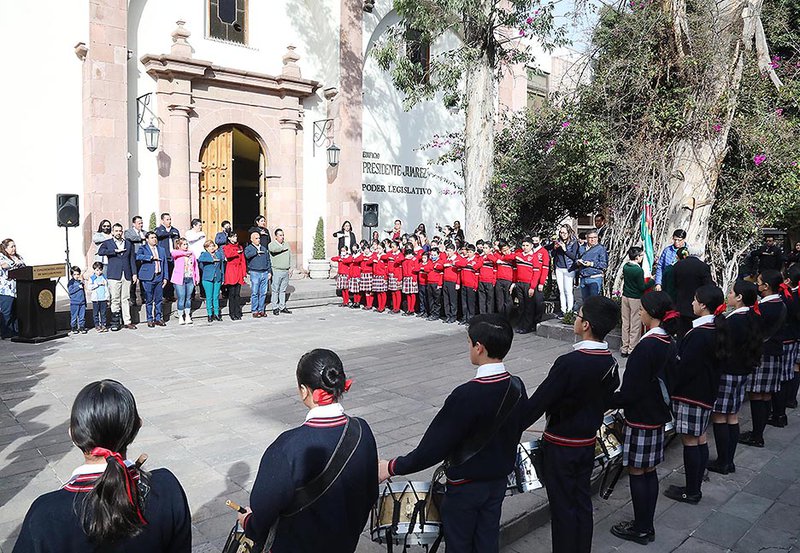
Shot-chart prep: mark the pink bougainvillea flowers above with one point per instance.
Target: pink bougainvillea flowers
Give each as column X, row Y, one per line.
column 565, row 124
column 779, row 112
column 759, row 159
column 717, row 127
column 503, row 185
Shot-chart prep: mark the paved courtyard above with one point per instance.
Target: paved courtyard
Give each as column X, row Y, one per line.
column 213, row 397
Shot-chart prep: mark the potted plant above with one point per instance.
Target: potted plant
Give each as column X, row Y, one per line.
column 318, row 266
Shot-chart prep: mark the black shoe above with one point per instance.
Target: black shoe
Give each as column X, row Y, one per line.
column 422, row 314
column 218, row 317
column 210, row 319
column 408, row 314
column 287, row 312
column 778, row 422
column 151, row 325
column 678, row 493
column 792, row 404
column 626, row 531
column 432, row 318
column 276, row 311
column 714, row 466
column 523, row 331
column 747, row 438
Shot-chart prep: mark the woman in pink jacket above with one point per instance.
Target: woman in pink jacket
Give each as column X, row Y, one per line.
column 185, row 275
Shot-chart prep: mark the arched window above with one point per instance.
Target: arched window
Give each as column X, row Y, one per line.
column 227, row 20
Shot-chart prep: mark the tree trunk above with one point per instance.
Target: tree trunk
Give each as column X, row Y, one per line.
column 695, row 161
column 479, row 147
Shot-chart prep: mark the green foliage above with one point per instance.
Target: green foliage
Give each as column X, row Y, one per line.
column 569, row 318
column 489, row 32
column 153, row 224
column 319, row 241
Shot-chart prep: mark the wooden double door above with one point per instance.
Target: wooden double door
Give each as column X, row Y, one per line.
column 224, row 175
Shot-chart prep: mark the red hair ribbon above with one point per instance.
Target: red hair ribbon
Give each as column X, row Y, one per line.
column 756, row 309
column 785, row 290
column 321, row 397
column 720, row 309
column 117, row 458
column 669, row 315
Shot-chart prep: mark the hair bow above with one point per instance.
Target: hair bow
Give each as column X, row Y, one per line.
column 114, row 457
column 671, row 314
column 321, row 397
column 756, row 309
column 785, row 290
column 720, row 309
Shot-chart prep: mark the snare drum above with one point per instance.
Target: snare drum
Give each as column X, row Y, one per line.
column 524, row 478
column 609, row 442
column 405, row 514
column 669, row 428
column 238, row 543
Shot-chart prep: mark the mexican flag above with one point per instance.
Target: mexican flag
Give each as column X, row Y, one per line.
column 646, row 234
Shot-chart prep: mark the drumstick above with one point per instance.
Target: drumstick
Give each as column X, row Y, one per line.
column 141, row 460
column 235, row 507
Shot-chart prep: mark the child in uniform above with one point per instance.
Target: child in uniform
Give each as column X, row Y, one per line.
column 633, row 288
column 504, row 261
column 575, row 395
column 646, row 412
column 422, row 279
column 524, row 289
column 451, row 282
column 77, row 301
column 477, row 432
column 410, row 286
column 343, row 273
column 98, row 286
column 541, row 270
column 765, row 380
column 392, row 258
column 694, row 383
column 744, row 326
column 486, row 278
column 379, row 274
column 354, row 276
column 367, row 275
column 469, row 268
column 779, row 398
column 435, row 280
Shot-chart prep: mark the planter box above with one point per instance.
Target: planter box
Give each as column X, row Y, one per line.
column 319, row 268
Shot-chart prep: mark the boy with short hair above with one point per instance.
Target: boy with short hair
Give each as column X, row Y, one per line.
column 486, row 278
column 469, row 269
column 574, row 396
column 77, row 301
column 452, row 282
column 476, row 432
column 633, row 288
column 504, row 261
column 98, row 286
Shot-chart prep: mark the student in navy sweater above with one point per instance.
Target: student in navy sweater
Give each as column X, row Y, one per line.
column 335, row 520
column 765, row 380
column 77, row 301
column 109, row 504
column 646, row 412
column 788, row 332
column 794, row 281
column 744, row 326
column 694, row 383
column 476, row 483
column 575, row 395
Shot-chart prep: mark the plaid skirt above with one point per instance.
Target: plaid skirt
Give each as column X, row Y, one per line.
column 341, row 282
column 730, row 394
column 354, row 284
column 366, row 282
column 410, row 285
column 766, row 378
column 690, row 419
column 378, row 283
column 642, row 447
column 788, row 360
column 394, row 284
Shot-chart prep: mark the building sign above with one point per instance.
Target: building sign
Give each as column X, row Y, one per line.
column 391, row 169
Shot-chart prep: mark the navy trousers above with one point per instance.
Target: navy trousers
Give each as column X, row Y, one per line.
column 471, row 516
column 567, row 477
column 153, row 294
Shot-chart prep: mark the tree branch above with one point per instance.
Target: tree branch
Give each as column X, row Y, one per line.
column 764, row 59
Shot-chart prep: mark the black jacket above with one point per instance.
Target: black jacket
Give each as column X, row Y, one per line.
column 773, row 316
column 690, row 274
column 695, row 378
column 640, row 395
column 265, row 237
column 341, row 237
column 739, row 330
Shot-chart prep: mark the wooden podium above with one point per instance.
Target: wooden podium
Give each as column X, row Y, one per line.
column 36, row 302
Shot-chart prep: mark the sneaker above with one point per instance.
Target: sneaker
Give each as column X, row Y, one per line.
column 287, row 312
column 182, row 319
column 189, row 320
column 210, row 319
column 218, row 317
column 276, row 311
column 678, row 493
column 627, row 531
column 747, row 438
column 151, row 324
column 83, row 330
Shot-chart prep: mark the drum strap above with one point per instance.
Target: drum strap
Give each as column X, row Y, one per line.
column 472, row 446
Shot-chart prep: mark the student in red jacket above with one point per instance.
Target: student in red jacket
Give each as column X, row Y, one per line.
column 486, row 278
column 379, row 274
column 367, row 262
column 422, row 296
column 392, row 258
column 451, row 282
column 435, row 279
column 469, row 269
column 410, row 268
column 524, row 289
column 541, row 269
column 354, row 282
column 504, row 263
column 343, row 274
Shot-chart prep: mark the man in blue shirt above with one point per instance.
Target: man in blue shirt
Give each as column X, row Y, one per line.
column 669, row 256
column 591, row 265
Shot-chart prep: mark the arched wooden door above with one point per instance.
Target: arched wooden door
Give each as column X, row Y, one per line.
column 216, row 180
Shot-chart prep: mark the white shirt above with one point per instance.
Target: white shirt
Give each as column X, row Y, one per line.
column 744, row 309
column 769, row 298
column 705, row 319
column 656, row 330
column 490, row 369
column 325, row 411
column 93, row 468
column 590, row 344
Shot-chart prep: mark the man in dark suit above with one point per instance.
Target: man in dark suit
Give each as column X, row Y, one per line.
column 121, row 272
column 154, row 275
column 690, row 273
column 768, row 256
column 167, row 234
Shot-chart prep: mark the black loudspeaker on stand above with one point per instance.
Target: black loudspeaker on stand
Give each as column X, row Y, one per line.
column 67, row 215
column 370, row 215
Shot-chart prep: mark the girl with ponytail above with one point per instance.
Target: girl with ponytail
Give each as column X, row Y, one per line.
column 788, row 338
column 108, row 501
column 332, row 522
column 765, row 380
column 744, row 324
column 702, row 353
column 646, row 404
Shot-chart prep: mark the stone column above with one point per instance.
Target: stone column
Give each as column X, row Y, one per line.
column 283, row 204
column 105, row 117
